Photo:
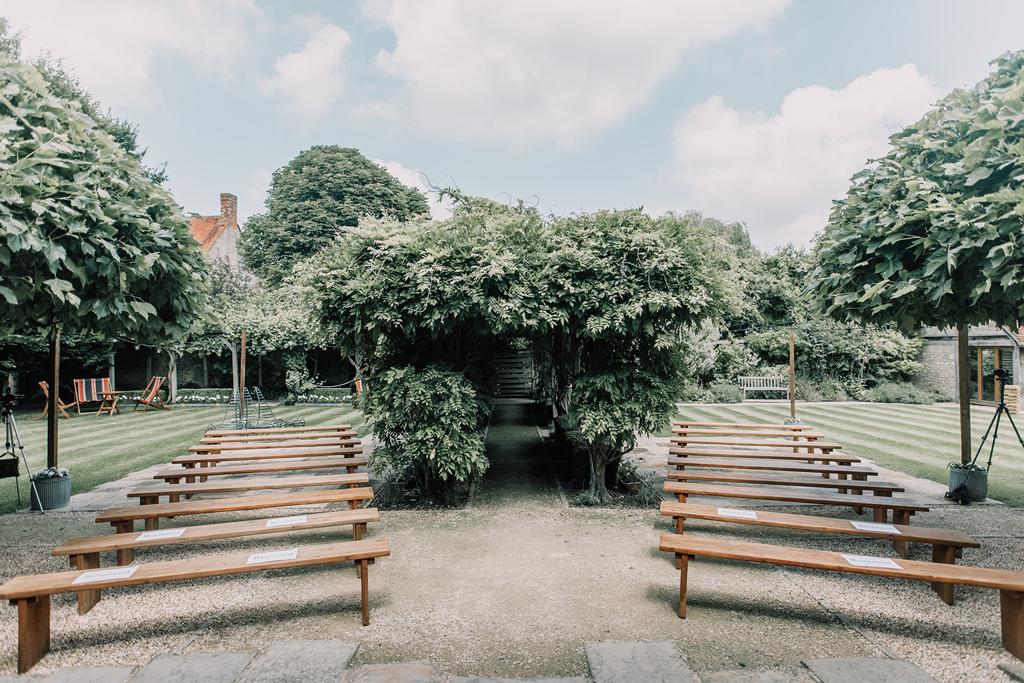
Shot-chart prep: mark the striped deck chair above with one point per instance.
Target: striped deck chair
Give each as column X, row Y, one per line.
column 62, row 407
column 150, row 396
column 96, row 390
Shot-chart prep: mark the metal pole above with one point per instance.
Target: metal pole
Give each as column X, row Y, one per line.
column 963, row 364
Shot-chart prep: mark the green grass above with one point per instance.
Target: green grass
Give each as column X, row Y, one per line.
column 917, row 439
column 101, row 449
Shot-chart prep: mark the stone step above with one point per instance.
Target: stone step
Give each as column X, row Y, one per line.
column 874, row 669
column 195, row 667
column 300, row 661
column 655, row 661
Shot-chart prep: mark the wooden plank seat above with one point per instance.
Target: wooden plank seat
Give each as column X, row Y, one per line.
column 742, row 425
column 1009, row 584
column 694, row 453
column 946, row 543
column 902, row 508
column 322, row 442
column 278, row 430
column 123, row 518
column 764, row 433
column 261, row 438
column 809, row 446
column 859, row 472
column 32, row 594
column 878, row 488
column 211, row 459
column 84, row 552
column 176, row 474
column 149, row 495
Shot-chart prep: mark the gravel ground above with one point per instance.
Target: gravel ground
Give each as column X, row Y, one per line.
column 515, row 584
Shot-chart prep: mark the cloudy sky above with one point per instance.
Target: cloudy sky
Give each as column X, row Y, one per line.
column 750, row 110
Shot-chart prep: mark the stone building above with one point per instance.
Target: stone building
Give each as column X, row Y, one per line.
column 218, row 235
column 991, row 346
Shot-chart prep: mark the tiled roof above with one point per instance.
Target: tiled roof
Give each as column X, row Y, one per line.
column 207, row 230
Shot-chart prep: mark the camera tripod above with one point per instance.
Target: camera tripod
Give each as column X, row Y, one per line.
column 12, row 440
column 993, row 426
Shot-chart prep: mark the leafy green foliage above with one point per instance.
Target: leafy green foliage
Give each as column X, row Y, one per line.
column 319, row 193
column 931, row 232
column 429, row 426
column 89, row 242
column 898, row 392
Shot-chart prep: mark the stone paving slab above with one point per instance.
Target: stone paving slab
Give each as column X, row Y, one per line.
column 1014, row 670
column 77, row 674
column 574, row 679
column 874, row 669
column 405, row 672
column 300, row 661
column 195, row 667
column 744, row 676
column 628, row 661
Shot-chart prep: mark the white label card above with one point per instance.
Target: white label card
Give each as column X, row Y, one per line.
column 871, row 561
column 738, row 514
column 875, row 526
column 162, row 533
column 275, row 556
column 106, row 575
column 286, row 521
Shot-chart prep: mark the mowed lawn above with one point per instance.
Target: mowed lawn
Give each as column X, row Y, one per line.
column 918, row 440
column 101, row 449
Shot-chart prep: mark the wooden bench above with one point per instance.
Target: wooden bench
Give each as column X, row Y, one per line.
column 838, row 458
column 32, row 594
column 879, row 488
column 84, row 552
column 809, row 446
column 261, row 438
column 748, row 384
column 741, row 425
column 339, row 442
column 176, row 474
column 149, row 495
column 278, row 430
column 946, row 543
column 763, row 433
column 1009, row 584
column 208, row 460
column 902, row 508
column 781, row 465
column 123, row 518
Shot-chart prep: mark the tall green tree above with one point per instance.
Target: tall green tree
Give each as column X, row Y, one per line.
column 319, row 193
column 931, row 233
column 89, row 242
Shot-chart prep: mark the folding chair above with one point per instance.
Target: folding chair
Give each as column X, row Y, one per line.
column 96, row 390
column 62, row 407
column 150, row 396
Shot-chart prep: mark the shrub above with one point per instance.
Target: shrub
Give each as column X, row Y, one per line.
column 898, row 392
column 203, row 396
column 725, row 392
column 325, row 395
column 429, row 429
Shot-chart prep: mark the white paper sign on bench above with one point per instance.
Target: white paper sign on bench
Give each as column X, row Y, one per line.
column 162, row 533
column 286, row 521
column 738, row 514
column 871, row 562
column 274, row 556
column 106, row 575
column 876, row 526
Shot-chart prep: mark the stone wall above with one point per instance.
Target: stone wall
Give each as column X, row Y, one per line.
column 938, row 366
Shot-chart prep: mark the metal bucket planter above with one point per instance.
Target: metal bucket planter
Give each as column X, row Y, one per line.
column 976, row 481
column 54, row 492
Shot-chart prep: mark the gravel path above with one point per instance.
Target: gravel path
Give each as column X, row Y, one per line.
column 516, row 583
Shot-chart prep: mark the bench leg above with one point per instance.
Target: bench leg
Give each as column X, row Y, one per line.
column 1011, row 613
column 152, row 523
column 364, row 586
column 842, row 476
column 190, row 480
column 945, row 554
column 149, row 500
column 174, row 498
column 683, row 561
column 357, row 532
column 33, row 630
column 86, row 599
column 880, row 515
column 681, row 497
column 680, row 524
column 902, row 548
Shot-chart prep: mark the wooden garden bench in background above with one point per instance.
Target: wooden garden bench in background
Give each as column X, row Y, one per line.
column 327, row 437
column 744, row 431
column 946, row 543
column 748, row 384
column 279, row 444
column 176, row 474
column 151, row 494
column 277, row 430
column 732, row 454
column 32, row 594
column 801, row 446
column 1009, row 584
column 84, row 553
column 742, row 425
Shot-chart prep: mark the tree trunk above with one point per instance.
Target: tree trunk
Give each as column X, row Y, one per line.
column 963, row 376
column 52, row 414
column 206, row 371
column 234, row 364
column 599, row 460
column 111, row 369
column 172, row 377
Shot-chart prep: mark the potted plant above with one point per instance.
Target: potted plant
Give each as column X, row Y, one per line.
column 972, row 477
column 50, row 488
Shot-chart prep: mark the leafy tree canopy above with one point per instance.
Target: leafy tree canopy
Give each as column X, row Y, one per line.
column 88, row 241
column 322, row 191
column 932, row 232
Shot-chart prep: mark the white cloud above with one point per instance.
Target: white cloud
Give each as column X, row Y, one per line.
column 439, row 210
column 311, row 79
column 534, row 70
column 113, row 45
column 780, row 173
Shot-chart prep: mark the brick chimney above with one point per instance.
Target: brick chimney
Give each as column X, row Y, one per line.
column 229, row 209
